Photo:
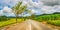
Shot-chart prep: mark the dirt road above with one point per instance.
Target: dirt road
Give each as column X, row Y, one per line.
column 28, row 25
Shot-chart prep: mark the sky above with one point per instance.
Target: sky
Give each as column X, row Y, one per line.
column 36, row 6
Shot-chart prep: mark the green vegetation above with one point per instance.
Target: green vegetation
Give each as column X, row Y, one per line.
column 19, row 9
column 49, row 18
column 53, row 19
column 4, row 22
column 3, row 18
column 54, row 22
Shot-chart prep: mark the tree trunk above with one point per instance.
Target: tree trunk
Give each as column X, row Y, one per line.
column 16, row 18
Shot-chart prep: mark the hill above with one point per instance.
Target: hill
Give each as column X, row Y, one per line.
column 47, row 17
column 53, row 19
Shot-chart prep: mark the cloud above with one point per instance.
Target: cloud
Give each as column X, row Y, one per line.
column 9, row 3
column 1, row 12
column 6, row 11
column 51, row 2
column 37, row 6
column 44, row 6
column 50, row 9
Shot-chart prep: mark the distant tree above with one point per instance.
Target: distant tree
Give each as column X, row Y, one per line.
column 3, row 18
column 18, row 9
column 32, row 14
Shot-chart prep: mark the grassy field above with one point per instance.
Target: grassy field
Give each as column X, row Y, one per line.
column 8, row 22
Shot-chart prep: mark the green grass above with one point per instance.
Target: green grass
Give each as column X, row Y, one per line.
column 54, row 22
column 11, row 21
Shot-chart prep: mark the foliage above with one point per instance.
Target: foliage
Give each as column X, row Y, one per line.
column 3, row 18
column 19, row 9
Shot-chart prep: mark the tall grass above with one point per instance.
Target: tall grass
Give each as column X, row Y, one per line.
column 54, row 22
column 11, row 21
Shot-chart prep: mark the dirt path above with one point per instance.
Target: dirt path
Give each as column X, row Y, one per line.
column 28, row 25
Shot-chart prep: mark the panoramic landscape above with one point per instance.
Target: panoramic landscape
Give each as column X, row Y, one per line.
column 29, row 14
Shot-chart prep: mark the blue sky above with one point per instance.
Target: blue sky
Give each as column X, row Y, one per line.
column 36, row 6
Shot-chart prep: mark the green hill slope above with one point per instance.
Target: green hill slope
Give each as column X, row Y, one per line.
column 53, row 19
column 47, row 17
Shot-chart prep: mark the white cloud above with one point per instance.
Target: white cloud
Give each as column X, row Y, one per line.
column 27, row 15
column 49, row 9
column 1, row 12
column 40, row 7
column 6, row 11
column 36, row 7
column 35, row 4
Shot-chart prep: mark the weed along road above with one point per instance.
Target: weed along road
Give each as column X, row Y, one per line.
column 27, row 25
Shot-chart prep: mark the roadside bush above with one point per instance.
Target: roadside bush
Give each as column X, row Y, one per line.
column 3, row 18
column 54, row 22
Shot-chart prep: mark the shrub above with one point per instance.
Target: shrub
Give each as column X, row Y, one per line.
column 54, row 22
column 3, row 18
